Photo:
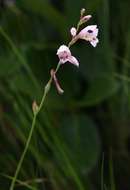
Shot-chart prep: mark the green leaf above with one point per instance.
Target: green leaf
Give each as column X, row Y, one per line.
column 80, row 134
column 100, row 89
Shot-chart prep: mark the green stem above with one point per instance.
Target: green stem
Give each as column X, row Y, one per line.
column 23, row 154
column 46, row 90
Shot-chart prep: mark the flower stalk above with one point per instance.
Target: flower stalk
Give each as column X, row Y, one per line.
column 64, row 54
column 36, row 110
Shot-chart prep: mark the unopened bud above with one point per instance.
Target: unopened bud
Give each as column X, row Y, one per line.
column 59, row 89
column 85, row 19
column 82, row 12
column 34, row 107
column 73, row 31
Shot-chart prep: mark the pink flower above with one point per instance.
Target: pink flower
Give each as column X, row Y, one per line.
column 82, row 12
column 89, row 33
column 85, row 19
column 73, row 31
column 64, row 55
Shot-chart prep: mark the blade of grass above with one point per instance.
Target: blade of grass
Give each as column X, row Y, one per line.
column 111, row 172
column 20, row 57
column 102, row 173
column 22, row 183
column 40, row 129
column 59, row 146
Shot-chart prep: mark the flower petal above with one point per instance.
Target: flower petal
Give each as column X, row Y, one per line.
column 73, row 60
column 88, row 32
column 94, row 42
column 95, row 32
column 62, row 61
column 63, row 48
column 64, row 55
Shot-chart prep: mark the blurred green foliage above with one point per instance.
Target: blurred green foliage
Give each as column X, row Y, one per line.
column 89, row 120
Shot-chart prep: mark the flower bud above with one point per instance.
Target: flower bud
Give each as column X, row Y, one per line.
column 59, row 89
column 73, row 31
column 35, row 107
column 85, row 19
column 82, row 12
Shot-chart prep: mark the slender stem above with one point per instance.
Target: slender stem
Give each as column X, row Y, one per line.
column 74, row 39
column 21, row 183
column 28, row 142
column 23, row 154
column 46, row 90
column 58, row 66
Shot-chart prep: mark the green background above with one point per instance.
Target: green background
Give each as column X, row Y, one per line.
column 82, row 138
